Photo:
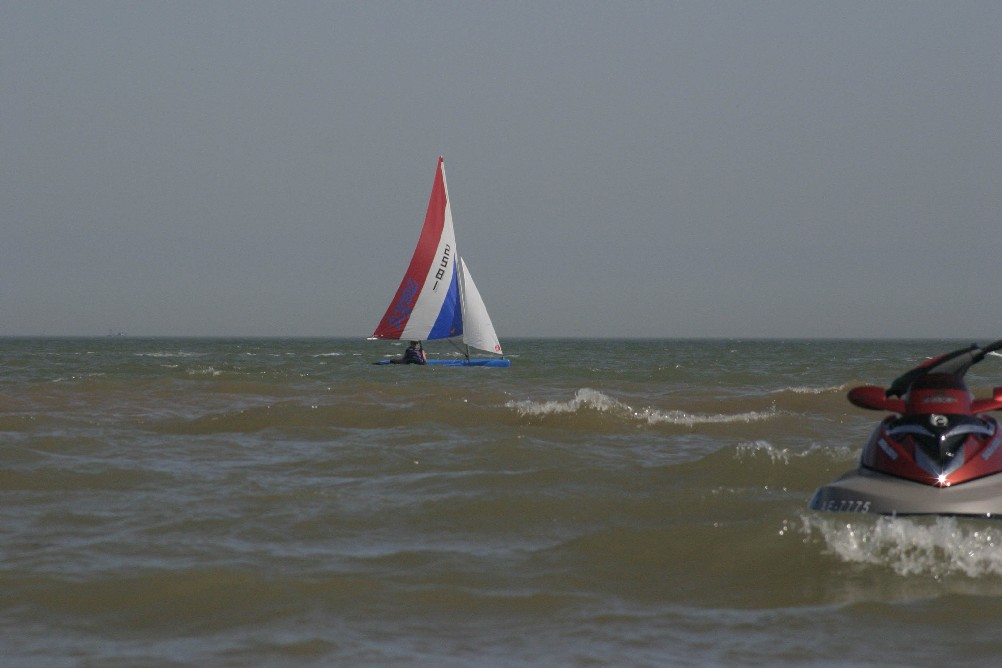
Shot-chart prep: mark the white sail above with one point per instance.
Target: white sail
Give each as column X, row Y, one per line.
column 478, row 330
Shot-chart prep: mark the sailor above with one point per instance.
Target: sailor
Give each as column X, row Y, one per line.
column 414, row 354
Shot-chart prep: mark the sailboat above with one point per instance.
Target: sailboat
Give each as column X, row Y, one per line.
column 437, row 298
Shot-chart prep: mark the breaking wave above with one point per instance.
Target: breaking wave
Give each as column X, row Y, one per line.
column 588, row 399
column 167, row 354
column 204, row 371
column 812, row 390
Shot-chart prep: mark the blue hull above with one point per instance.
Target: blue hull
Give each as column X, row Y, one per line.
column 461, row 362
column 473, row 362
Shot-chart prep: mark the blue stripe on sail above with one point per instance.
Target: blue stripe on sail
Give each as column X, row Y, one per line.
column 450, row 319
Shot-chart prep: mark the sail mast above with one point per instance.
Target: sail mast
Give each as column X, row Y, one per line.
column 459, row 275
column 462, row 300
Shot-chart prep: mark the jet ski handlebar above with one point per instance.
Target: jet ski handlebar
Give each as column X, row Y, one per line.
column 954, row 363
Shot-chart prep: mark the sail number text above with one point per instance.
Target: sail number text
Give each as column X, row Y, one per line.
column 443, row 265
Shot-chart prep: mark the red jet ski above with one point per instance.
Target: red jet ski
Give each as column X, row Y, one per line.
column 938, row 454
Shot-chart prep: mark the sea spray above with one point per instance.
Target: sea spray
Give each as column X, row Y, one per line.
column 937, row 547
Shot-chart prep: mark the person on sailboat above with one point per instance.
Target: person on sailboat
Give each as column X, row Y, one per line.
column 413, row 355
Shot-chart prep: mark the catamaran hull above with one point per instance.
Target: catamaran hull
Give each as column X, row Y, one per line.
column 474, row 362
column 865, row 491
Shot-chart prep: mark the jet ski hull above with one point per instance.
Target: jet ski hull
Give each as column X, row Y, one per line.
column 866, row 491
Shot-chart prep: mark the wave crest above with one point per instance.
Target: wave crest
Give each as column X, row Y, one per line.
column 809, row 389
column 590, row 399
column 585, row 398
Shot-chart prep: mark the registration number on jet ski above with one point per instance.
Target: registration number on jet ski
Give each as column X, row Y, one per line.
column 847, row 506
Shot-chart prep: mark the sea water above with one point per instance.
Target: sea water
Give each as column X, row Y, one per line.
column 284, row 502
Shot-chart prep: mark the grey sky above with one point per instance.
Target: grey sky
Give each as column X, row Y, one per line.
column 746, row 169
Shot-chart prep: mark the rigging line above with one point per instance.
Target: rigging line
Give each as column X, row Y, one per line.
column 458, row 349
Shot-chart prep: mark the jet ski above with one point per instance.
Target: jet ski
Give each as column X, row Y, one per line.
column 938, row 453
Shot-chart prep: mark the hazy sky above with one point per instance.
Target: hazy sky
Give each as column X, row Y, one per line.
column 664, row 169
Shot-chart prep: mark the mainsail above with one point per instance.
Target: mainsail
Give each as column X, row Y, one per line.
column 437, row 298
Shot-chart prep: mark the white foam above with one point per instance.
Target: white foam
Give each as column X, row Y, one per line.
column 653, row 416
column 589, row 399
column 812, row 390
column 168, row 354
column 775, row 454
column 785, row 455
column 585, row 398
column 938, row 547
